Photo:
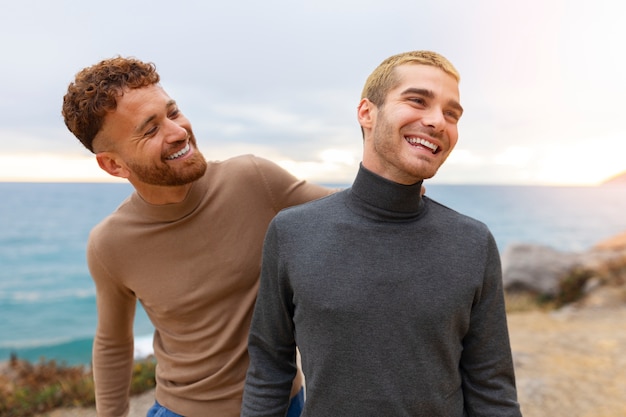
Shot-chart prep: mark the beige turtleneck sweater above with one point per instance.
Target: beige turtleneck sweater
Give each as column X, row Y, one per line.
column 195, row 268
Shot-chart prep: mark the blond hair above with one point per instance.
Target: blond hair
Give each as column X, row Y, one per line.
column 383, row 78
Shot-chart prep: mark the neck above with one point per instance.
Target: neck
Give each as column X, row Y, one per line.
column 160, row 195
column 377, row 197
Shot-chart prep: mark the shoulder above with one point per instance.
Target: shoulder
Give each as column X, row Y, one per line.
column 323, row 208
column 247, row 166
column 258, row 176
column 308, row 222
column 112, row 226
column 453, row 218
column 249, row 171
column 460, row 233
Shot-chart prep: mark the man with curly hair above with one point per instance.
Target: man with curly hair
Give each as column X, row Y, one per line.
column 186, row 244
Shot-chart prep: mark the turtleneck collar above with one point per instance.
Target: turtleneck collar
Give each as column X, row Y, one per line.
column 378, row 198
column 174, row 211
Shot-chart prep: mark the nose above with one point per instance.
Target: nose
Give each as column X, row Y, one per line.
column 434, row 118
column 176, row 132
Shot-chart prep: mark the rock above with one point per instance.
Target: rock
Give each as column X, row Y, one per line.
column 536, row 268
column 570, row 276
column 599, row 259
column 603, row 297
column 615, row 243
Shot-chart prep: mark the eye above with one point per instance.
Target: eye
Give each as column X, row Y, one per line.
column 151, row 132
column 452, row 115
column 418, row 100
column 173, row 114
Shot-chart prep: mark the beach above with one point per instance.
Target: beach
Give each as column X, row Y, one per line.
column 570, row 363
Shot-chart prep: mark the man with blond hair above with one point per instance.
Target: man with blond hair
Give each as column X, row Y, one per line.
column 394, row 300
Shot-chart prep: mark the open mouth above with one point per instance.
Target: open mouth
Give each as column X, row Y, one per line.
column 422, row 142
column 180, row 153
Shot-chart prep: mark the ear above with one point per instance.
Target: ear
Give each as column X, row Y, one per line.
column 366, row 113
column 113, row 164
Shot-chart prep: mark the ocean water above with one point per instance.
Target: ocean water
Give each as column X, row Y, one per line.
column 47, row 298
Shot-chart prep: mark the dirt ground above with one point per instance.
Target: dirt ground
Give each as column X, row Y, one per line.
column 569, row 363
column 139, row 406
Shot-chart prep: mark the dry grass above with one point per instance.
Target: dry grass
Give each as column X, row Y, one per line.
column 27, row 389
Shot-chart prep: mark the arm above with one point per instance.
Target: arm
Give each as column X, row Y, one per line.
column 113, row 343
column 486, row 362
column 285, row 189
column 271, row 344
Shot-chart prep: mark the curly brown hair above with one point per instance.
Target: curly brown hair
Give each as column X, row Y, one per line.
column 95, row 90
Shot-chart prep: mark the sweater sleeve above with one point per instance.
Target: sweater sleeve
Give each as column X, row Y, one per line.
column 113, row 343
column 271, row 345
column 486, row 362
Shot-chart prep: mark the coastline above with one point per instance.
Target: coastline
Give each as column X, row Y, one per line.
column 72, row 353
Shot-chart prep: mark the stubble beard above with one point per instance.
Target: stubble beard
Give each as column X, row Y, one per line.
column 415, row 167
column 165, row 175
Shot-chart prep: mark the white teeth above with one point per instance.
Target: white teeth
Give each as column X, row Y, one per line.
column 423, row 142
column 179, row 153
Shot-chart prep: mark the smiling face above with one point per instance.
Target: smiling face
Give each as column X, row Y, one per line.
column 409, row 136
column 147, row 140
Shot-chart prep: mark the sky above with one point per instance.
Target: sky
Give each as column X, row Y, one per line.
column 542, row 81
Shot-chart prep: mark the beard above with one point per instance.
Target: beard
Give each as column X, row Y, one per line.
column 409, row 168
column 163, row 174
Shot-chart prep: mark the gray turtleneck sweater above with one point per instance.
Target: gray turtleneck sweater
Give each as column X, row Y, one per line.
column 395, row 303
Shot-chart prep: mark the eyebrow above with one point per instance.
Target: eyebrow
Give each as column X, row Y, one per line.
column 429, row 94
column 149, row 120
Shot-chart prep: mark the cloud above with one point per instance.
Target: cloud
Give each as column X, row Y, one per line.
column 464, row 157
column 51, row 168
column 517, row 156
column 284, row 77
